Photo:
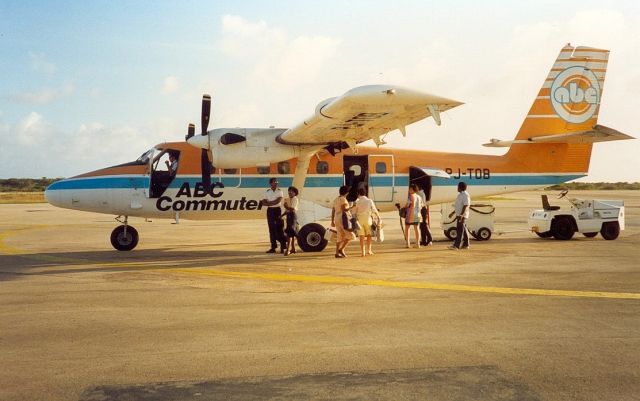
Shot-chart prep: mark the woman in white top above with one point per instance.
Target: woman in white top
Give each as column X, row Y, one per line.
column 290, row 205
column 365, row 211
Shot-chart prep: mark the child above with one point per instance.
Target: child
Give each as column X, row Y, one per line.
column 290, row 207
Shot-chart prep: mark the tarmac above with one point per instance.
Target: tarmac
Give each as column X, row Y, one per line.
column 198, row 311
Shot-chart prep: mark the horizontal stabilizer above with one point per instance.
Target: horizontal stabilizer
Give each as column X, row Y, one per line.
column 599, row 133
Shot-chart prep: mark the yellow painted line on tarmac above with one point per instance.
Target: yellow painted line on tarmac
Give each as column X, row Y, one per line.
column 154, row 265
column 407, row 284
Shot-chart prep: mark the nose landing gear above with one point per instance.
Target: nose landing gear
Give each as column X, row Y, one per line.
column 124, row 237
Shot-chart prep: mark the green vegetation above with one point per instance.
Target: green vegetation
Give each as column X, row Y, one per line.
column 590, row 186
column 25, row 184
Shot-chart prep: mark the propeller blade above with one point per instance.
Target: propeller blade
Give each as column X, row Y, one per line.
column 190, row 132
column 206, row 112
column 206, row 170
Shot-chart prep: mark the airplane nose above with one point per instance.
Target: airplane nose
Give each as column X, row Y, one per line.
column 54, row 195
column 51, row 195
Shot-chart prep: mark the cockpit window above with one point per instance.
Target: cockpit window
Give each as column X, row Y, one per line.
column 146, row 156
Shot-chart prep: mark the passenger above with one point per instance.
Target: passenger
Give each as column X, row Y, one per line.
column 425, row 233
column 340, row 217
column 413, row 206
column 290, row 205
column 172, row 164
column 365, row 211
column 461, row 210
column 272, row 199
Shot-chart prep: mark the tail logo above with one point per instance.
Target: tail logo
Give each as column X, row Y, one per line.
column 575, row 94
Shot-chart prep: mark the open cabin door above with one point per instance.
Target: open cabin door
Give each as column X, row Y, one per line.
column 356, row 175
column 422, row 177
column 381, row 178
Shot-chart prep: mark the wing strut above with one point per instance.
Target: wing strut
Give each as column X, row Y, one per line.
column 435, row 113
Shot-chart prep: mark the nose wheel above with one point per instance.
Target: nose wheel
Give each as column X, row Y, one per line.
column 124, row 237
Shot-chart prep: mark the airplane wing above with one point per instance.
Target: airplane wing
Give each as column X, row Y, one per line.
column 364, row 113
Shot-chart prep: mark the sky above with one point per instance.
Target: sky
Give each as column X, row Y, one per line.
column 86, row 85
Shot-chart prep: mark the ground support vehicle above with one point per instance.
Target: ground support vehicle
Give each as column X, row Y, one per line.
column 586, row 216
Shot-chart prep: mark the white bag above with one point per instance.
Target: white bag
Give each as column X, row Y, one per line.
column 330, row 234
column 379, row 235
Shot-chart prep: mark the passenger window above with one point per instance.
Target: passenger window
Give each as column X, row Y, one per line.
column 264, row 169
column 322, row 167
column 381, row 167
column 230, row 170
column 283, row 168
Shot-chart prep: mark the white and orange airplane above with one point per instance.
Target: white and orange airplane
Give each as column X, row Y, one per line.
column 223, row 173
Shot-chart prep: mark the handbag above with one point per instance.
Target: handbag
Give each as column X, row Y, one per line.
column 330, row 234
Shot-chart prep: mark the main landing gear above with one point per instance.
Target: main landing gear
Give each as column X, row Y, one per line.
column 124, row 237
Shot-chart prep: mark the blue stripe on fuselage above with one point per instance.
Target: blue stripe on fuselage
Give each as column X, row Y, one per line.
column 101, row 183
column 136, row 182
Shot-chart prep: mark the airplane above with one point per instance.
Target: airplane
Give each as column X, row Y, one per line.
column 222, row 173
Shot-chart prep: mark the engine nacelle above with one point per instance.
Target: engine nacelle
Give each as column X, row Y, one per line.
column 258, row 148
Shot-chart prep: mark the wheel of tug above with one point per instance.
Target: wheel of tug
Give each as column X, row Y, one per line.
column 546, row 234
column 590, row 235
column 123, row 242
column 311, row 237
column 483, row 234
column 451, row 233
column 562, row 228
column 610, row 230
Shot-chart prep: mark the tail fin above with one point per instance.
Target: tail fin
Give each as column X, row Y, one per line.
column 568, row 102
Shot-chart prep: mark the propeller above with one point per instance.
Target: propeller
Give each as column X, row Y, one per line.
column 190, row 132
column 204, row 156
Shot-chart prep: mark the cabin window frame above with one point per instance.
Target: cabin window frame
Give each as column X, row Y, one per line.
column 282, row 169
column 324, row 169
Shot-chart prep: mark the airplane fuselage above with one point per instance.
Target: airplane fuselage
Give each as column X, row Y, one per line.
column 236, row 193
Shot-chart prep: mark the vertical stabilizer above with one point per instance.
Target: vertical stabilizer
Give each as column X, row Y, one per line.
column 569, row 101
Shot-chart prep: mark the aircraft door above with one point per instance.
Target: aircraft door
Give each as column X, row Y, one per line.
column 423, row 180
column 356, row 175
column 381, row 178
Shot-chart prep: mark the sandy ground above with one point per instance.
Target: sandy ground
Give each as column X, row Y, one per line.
column 199, row 312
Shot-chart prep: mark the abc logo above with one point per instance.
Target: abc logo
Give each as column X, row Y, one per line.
column 575, row 94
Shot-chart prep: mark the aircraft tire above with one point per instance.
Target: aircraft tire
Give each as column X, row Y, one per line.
column 122, row 242
column 590, row 235
column 546, row 234
column 451, row 233
column 610, row 230
column 483, row 234
column 562, row 228
column 311, row 237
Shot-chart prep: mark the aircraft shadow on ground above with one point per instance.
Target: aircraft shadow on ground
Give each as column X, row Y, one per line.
column 195, row 256
column 52, row 263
